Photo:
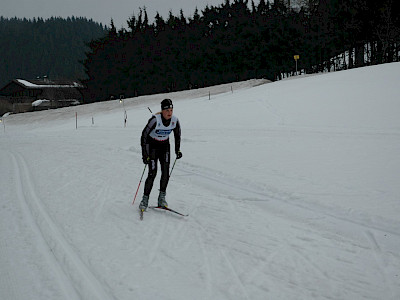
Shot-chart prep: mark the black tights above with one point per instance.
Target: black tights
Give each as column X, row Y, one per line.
column 158, row 153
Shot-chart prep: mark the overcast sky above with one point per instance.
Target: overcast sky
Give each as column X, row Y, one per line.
column 101, row 10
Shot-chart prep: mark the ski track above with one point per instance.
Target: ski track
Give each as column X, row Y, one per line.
column 8, row 279
column 381, row 261
column 74, row 277
column 235, row 276
column 31, row 216
column 157, row 242
column 101, row 199
column 206, row 274
column 219, row 272
column 231, row 189
column 235, row 186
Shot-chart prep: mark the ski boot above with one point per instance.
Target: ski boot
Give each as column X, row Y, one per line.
column 145, row 202
column 161, row 199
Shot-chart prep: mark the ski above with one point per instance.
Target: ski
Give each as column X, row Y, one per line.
column 169, row 209
column 141, row 214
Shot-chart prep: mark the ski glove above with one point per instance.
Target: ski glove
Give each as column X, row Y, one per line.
column 146, row 160
column 178, row 155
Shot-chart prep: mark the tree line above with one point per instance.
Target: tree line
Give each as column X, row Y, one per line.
column 240, row 40
column 53, row 47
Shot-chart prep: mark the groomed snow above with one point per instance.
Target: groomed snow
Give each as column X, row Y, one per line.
column 292, row 190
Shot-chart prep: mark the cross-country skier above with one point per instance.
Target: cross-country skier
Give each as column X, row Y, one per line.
column 155, row 147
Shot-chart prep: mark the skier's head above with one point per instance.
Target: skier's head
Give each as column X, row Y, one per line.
column 166, row 109
column 166, row 103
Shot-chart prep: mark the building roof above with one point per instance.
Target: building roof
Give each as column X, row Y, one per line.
column 39, row 84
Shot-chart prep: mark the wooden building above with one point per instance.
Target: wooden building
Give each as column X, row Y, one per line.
column 22, row 93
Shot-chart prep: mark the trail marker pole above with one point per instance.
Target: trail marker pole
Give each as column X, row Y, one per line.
column 296, row 58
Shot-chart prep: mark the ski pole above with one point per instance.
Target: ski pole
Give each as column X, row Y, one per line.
column 172, row 167
column 139, row 184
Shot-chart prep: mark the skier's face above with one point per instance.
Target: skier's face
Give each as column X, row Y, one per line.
column 167, row 113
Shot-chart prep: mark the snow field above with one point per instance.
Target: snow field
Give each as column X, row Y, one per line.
column 291, row 189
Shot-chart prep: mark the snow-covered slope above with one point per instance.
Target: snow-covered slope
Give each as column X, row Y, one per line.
column 291, row 187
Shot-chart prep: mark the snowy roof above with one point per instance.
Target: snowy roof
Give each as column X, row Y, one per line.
column 40, row 102
column 48, row 84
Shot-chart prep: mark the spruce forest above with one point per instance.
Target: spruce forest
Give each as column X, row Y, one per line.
column 239, row 40
column 54, row 48
column 234, row 41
